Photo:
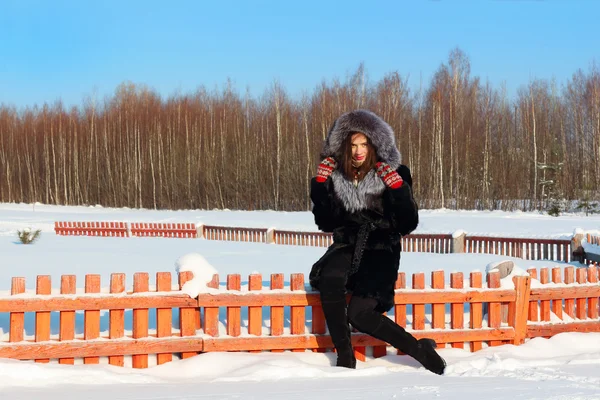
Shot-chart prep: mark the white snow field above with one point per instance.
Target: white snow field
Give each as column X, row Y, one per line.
column 566, row 366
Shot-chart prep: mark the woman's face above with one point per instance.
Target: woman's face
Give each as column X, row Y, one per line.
column 360, row 148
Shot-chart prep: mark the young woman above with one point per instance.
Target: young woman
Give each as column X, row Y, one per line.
column 362, row 194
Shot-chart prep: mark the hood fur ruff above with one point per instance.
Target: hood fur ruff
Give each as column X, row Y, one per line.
column 381, row 136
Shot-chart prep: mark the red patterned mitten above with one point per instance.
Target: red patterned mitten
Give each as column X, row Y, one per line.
column 390, row 177
column 325, row 169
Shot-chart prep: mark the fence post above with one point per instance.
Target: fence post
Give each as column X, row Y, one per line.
column 577, row 252
column 200, row 230
column 270, row 235
column 518, row 310
column 458, row 242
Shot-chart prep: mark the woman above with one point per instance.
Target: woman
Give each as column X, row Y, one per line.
column 363, row 195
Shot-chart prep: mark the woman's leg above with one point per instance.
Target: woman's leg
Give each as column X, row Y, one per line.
column 332, row 288
column 362, row 315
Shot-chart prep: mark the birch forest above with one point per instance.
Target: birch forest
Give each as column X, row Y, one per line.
column 468, row 144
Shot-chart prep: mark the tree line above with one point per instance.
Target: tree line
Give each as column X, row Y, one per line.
column 468, row 145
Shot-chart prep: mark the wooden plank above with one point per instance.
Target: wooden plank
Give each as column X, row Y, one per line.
column 593, row 301
column 581, row 302
column 518, row 310
column 91, row 328
column 67, row 318
column 164, row 316
column 176, row 300
column 570, row 302
column 277, row 312
column 557, row 302
column 308, row 341
column 141, row 283
column 418, row 282
column 234, row 282
column 211, row 314
column 94, row 302
column 494, row 308
column 476, row 312
column 544, row 304
column 187, row 315
column 255, row 313
column 533, row 304
column 548, row 330
column 17, row 319
column 457, row 313
column 438, row 310
column 42, row 319
column 116, row 317
column 400, row 309
column 99, row 348
column 297, row 313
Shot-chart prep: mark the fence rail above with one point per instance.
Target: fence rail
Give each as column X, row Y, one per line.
column 167, row 324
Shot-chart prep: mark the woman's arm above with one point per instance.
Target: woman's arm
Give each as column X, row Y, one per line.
column 401, row 205
column 321, row 193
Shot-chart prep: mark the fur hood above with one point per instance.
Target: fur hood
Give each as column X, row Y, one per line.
column 356, row 198
column 369, row 123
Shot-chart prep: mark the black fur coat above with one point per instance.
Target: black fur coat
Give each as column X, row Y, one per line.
column 370, row 216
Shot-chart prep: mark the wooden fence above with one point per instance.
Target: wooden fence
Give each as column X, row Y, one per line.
column 236, row 234
column 527, row 248
column 282, row 317
column 91, row 228
column 172, row 230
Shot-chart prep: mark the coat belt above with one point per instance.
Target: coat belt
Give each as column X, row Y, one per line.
column 359, row 248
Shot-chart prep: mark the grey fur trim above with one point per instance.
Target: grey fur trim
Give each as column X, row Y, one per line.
column 369, row 123
column 355, row 198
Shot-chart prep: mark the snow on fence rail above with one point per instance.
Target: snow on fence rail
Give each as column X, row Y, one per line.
column 167, row 324
column 527, row 248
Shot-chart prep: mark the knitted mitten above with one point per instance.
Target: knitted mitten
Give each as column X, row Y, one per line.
column 390, row 177
column 325, row 169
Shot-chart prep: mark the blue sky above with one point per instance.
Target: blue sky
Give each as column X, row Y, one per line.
column 68, row 50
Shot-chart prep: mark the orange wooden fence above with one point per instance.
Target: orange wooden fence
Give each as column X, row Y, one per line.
column 229, row 233
column 87, row 228
column 253, row 318
column 154, row 229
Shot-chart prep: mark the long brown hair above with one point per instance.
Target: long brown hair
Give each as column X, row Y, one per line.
column 346, row 162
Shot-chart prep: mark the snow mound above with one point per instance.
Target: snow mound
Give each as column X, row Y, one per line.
column 203, row 273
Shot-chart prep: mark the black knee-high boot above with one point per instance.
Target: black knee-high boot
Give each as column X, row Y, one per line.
column 336, row 318
column 332, row 287
column 363, row 317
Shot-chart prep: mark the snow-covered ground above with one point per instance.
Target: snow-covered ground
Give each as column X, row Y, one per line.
column 566, row 366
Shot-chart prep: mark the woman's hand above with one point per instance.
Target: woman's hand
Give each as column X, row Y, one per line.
column 325, row 169
column 390, row 177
